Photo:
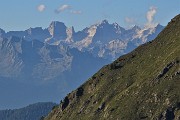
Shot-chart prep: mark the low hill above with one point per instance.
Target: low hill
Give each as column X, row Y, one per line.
column 31, row 112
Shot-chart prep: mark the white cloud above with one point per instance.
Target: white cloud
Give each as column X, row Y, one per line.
column 129, row 20
column 41, row 8
column 62, row 8
column 150, row 16
column 76, row 12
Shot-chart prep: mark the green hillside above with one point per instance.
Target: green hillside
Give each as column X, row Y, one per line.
column 144, row 84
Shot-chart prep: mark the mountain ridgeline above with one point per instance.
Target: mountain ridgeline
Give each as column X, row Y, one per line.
column 102, row 39
column 143, row 84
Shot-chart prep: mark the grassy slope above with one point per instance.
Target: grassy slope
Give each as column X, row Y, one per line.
column 130, row 88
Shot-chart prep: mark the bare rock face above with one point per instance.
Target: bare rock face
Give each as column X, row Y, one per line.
column 79, row 92
column 65, row 103
column 10, row 59
column 57, row 29
column 33, row 59
column 2, row 32
column 172, row 113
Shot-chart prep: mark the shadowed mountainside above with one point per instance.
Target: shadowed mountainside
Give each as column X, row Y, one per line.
column 31, row 112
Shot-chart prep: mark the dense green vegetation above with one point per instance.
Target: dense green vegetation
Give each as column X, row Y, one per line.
column 31, row 112
column 143, row 84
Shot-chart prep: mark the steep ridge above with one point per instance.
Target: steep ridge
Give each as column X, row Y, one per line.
column 143, row 84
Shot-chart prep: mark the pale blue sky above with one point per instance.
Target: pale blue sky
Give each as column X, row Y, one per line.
column 22, row 14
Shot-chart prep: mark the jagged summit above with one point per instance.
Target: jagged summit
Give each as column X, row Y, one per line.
column 103, row 22
column 2, row 32
column 57, row 28
column 143, row 84
column 159, row 26
column 135, row 27
column 56, row 24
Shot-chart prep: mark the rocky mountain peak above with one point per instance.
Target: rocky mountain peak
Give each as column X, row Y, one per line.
column 101, row 24
column 159, row 26
column 35, row 30
column 136, row 28
column 104, row 22
column 2, row 32
column 57, row 29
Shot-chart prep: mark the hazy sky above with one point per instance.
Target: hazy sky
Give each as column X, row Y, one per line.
column 22, row 14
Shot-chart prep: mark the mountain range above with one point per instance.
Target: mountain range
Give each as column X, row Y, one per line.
column 45, row 64
column 141, row 85
column 102, row 39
